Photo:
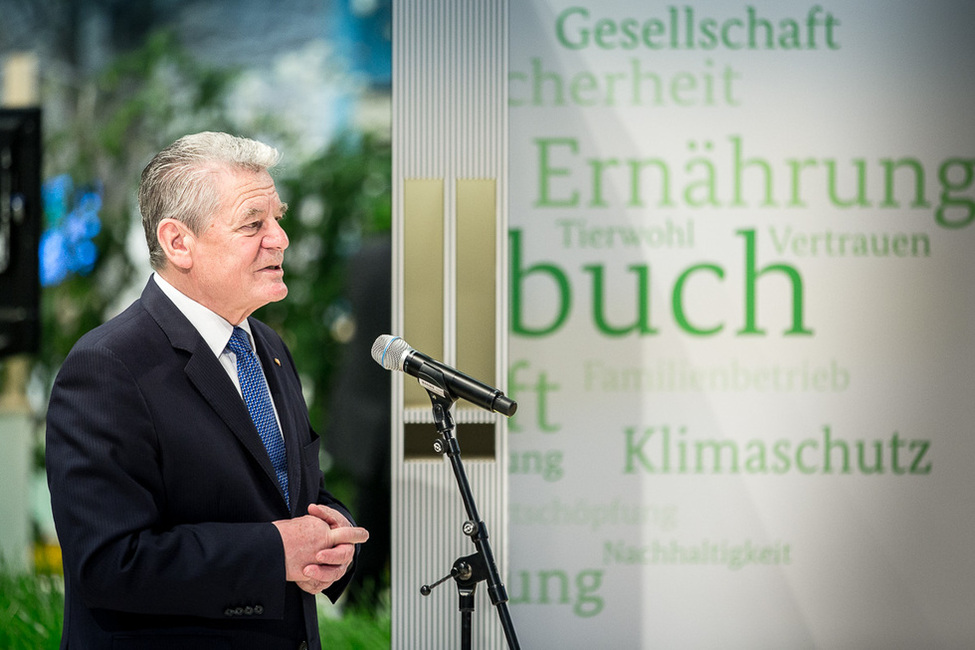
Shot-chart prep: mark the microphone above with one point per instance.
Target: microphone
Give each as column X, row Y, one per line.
column 393, row 353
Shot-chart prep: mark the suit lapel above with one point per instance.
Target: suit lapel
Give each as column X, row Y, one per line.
column 210, row 379
column 273, row 361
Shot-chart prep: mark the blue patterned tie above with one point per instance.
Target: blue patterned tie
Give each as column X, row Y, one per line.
column 258, row 400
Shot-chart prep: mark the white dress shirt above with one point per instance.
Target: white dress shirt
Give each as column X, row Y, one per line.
column 215, row 330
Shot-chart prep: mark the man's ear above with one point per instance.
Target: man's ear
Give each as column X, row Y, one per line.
column 177, row 243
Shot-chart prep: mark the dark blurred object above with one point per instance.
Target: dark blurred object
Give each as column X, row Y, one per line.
column 340, row 198
column 358, row 431
column 21, row 213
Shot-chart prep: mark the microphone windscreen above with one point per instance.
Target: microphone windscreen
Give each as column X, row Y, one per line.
column 390, row 351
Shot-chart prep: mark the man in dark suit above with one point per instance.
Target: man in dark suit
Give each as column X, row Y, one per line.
column 190, row 508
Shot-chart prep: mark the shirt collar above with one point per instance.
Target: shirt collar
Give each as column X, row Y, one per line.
column 214, row 329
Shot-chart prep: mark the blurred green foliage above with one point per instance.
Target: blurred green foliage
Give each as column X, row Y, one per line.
column 31, row 609
column 111, row 124
column 143, row 101
column 335, row 200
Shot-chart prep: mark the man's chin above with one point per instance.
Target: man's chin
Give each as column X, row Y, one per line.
column 276, row 291
column 279, row 293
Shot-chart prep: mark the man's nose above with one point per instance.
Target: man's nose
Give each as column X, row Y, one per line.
column 276, row 237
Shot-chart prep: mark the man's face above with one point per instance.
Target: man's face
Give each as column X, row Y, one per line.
column 238, row 257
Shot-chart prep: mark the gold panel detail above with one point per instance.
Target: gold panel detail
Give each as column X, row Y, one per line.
column 477, row 278
column 423, row 275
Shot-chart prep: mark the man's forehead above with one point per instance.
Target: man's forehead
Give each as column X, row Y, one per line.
column 260, row 207
column 254, row 192
column 259, row 201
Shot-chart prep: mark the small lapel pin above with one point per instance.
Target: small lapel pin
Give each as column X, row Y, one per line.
column 277, row 361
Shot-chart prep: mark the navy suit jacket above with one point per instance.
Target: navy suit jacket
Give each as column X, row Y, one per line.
column 163, row 492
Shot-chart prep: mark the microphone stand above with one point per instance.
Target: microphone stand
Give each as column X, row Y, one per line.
column 469, row 570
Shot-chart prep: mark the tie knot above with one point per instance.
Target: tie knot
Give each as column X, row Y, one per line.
column 238, row 343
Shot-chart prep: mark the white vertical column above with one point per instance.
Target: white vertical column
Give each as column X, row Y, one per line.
column 449, row 193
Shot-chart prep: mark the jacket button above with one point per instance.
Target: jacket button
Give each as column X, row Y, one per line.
column 303, row 645
column 228, row 612
column 258, row 609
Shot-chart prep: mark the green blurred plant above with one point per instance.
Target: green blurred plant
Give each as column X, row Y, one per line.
column 112, row 123
column 356, row 629
column 335, row 200
column 30, row 611
column 142, row 102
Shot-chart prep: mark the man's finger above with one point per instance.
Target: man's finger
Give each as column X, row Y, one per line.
column 323, row 574
column 330, row 516
column 349, row 536
column 340, row 555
